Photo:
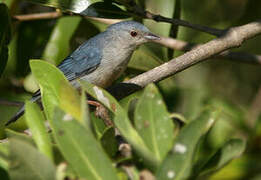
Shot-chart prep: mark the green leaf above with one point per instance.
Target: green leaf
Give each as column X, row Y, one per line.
column 109, row 141
column 178, row 163
column 28, row 163
column 76, row 6
column 165, row 8
column 153, row 122
column 80, row 148
column 50, row 80
column 57, row 91
column 98, row 125
column 122, row 122
column 21, row 136
column 35, row 122
column 144, row 60
column 105, row 10
column 94, row 8
column 231, row 149
column 5, row 36
column 4, row 152
column 57, row 47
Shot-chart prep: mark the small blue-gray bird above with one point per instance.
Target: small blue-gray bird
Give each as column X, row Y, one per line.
column 101, row 59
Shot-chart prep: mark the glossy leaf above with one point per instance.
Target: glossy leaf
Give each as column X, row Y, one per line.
column 122, row 122
column 28, row 163
column 105, row 10
column 76, row 6
column 35, row 122
column 80, row 148
column 56, row 90
column 50, row 80
column 94, row 8
column 5, row 35
column 230, row 150
column 153, row 122
column 178, row 163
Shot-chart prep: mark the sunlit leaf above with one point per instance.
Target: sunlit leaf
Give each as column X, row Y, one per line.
column 153, row 122
column 76, row 6
column 50, row 81
column 122, row 122
column 178, row 163
column 94, row 8
column 80, row 148
column 35, row 122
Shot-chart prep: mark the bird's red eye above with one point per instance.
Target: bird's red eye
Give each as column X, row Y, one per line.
column 133, row 33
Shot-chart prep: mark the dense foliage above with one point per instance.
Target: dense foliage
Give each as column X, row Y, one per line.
column 203, row 123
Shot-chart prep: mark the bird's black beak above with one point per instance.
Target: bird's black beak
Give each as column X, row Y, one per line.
column 151, row 37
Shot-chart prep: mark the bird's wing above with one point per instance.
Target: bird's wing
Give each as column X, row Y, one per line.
column 82, row 61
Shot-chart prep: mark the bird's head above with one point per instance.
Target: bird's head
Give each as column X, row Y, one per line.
column 131, row 33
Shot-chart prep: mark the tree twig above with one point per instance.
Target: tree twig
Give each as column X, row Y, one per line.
column 38, row 16
column 234, row 56
column 234, row 37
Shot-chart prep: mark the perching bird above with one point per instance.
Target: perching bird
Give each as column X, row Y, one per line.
column 101, row 59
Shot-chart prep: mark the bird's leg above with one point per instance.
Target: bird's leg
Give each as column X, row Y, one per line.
column 101, row 112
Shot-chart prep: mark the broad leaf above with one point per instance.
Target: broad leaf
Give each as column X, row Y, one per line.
column 5, row 35
column 76, row 6
column 109, row 142
column 50, row 80
column 232, row 149
column 144, row 60
column 153, row 122
column 57, row 47
column 94, row 8
column 28, row 163
column 178, row 164
column 122, row 122
column 4, row 152
column 35, row 122
column 80, row 148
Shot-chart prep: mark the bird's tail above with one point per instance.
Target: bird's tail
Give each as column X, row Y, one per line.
column 21, row 111
column 16, row 116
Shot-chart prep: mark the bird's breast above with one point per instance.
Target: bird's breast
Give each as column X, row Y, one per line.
column 112, row 65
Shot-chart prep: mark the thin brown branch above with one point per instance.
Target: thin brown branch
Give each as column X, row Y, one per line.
column 233, row 38
column 234, row 56
column 165, row 41
column 38, row 16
